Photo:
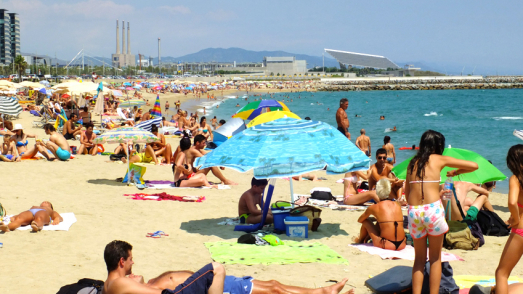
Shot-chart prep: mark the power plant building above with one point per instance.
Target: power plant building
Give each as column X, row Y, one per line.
column 123, row 58
column 9, row 37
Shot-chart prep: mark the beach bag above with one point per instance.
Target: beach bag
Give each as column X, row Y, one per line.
column 474, row 226
column 447, row 284
column 459, row 236
column 311, row 212
column 322, row 195
column 491, row 224
column 83, row 286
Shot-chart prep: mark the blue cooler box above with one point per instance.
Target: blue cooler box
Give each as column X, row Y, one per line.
column 279, row 217
column 297, row 226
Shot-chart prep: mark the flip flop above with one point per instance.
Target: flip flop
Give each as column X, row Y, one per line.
column 157, row 234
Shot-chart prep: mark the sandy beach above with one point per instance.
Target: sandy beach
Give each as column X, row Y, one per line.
column 86, row 186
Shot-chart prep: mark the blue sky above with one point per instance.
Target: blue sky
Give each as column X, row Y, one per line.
column 487, row 35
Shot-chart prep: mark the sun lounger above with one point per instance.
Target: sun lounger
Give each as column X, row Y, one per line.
column 265, row 210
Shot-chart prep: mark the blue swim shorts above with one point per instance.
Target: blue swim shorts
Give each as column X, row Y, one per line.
column 235, row 285
column 63, row 154
column 199, row 282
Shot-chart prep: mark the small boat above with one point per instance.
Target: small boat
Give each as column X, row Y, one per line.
column 518, row 133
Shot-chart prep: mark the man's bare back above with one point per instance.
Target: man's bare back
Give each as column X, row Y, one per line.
column 363, row 142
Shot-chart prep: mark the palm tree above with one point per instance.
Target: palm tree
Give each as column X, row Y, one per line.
column 20, row 64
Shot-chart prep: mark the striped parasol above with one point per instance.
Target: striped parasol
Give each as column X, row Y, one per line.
column 9, row 106
column 126, row 134
column 253, row 109
column 157, row 108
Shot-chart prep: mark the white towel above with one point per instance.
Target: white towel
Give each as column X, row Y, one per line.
column 69, row 220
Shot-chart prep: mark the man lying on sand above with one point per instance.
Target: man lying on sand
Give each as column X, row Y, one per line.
column 118, row 258
column 240, row 285
column 250, row 201
column 36, row 216
column 388, row 233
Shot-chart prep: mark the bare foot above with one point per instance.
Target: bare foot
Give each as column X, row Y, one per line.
column 229, row 182
column 214, row 186
column 35, row 227
column 124, row 160
column 4, row 228
column 356, row 239
column 334, row 289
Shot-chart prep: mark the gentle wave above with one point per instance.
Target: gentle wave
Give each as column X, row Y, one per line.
column 432, row 113
column 507, row 117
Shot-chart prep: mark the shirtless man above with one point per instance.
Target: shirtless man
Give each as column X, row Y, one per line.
column 160, row 147
column 382, row 169
column 363, row 142
column 70, row 131
column 388, row 233
column 197, row 150
column 250, row 201
column 470, row 207
column 184, row 175
column 341, row 118
column 118, row 258
column 241, row 285
column 391, row 154
column 57, row 144
column 37, row 217
column 86, row 139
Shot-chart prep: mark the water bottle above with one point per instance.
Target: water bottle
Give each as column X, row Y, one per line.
column 449, row 184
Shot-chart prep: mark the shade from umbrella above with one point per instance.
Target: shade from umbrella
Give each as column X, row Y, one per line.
column 288, row 147
column 253, row 109
column 270, row 116
column 157, row 108
column 9, row 106
column 486, row 172
column 126, row 134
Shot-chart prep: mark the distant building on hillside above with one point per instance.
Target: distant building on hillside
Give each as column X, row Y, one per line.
column 287, row 65
column 123, row 58
column 9, row 37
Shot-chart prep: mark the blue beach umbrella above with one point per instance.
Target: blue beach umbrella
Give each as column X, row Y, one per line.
column 127, row 84
column 288, row 147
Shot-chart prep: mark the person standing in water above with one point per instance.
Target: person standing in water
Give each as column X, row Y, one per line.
column 341, row 118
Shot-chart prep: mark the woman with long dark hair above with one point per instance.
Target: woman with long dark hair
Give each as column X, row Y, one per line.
column 514, row 246
column 426, row 213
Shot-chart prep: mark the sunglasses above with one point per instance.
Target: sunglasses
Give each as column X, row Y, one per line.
column 382, row 157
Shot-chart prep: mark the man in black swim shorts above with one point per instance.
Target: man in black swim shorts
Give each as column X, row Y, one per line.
column 341, row 118
column 119, row 261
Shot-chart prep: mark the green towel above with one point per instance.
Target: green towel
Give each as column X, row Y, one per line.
column 291, row 252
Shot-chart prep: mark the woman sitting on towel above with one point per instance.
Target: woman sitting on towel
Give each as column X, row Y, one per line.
column 388, row 232
column 37, row 217
column 351, row 195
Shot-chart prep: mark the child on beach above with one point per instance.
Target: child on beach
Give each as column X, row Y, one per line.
column 250, row 200
column 514, row 246
column 426, row 214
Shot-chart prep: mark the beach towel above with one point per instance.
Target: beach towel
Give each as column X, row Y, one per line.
column 69, row 220
column 291, row 252
column 165, row 196
column 466, row 281
column 407, row 253
column 137, row 172
column 170, row 185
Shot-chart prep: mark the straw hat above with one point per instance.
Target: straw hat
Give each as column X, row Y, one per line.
column 18, row 127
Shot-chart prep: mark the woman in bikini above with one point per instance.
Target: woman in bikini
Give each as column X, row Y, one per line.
column 514, row 246
column 351, row 195
column 184, row 175
column 426, row 213
column 388, row 233
column 37, row 217
column 22, row 144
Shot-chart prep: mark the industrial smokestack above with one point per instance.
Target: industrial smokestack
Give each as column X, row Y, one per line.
column 124, row 47
column 159, row 56
column 128, row 39
column 117, row 38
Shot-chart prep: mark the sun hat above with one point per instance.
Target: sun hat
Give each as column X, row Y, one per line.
column 18, row 127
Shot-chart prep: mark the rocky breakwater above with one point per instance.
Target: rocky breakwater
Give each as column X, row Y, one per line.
column 437, row 84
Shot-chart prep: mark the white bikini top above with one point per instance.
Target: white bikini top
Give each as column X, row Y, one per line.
column 352, row 179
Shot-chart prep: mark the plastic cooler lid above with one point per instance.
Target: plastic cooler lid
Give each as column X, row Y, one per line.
column 274, row 211
column 296, row 220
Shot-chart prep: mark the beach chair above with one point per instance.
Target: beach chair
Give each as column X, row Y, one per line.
column 266, row 206
column 122, row 115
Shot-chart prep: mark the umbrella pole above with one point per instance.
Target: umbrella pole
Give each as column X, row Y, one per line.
column 129, row 178
column 292, row 192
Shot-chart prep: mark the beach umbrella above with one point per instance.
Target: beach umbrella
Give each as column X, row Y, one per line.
column 9, row 106
column 129, row 89
column 125, row 135
column 229, row 129
column 138, row 87
column 99, row 107
column 287, row 147
column 253, row 109
column 43, row 91
column 486, row 172
column 133, row 102
column 270, row 116
column 157, row 108
column 117, row 93
column 127, row 84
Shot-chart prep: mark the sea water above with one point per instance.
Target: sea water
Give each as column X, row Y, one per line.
column 478, row 120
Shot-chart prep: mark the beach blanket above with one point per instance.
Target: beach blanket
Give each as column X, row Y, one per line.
column 407, row 252
column 465, row 282
column 170, row 185
column 165, row 196
column 290, row 252
column 69, row 220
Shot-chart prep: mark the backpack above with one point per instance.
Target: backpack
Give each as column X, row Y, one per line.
column 447, row 284
column 491, row 224
column 83, row 286
column 459, row 236
column 320, row 193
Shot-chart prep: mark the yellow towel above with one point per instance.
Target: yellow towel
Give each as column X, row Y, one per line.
column 467, row 281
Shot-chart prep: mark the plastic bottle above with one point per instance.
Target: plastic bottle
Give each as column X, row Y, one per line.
column 449, row 184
